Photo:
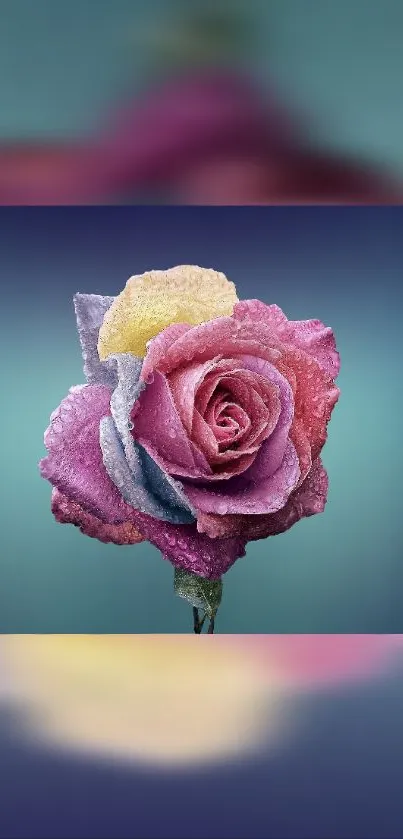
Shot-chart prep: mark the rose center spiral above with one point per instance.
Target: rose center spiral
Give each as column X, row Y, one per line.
column 226, row 418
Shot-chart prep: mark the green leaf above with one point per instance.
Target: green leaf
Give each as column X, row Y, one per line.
column 202, row 593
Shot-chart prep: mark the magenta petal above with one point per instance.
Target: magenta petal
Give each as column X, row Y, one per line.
column 188, row 550
column 307, row 500
column 74, row 463
column 312, row 336
column 159, row 428
column 67, row 511
column 268, row 496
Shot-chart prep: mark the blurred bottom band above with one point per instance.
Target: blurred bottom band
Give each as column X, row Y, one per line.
column 176, row 700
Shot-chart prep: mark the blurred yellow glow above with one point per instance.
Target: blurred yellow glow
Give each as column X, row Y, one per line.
column 155, row 699
column 177, row 700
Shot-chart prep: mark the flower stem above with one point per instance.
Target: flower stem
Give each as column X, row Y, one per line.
column 196, row 622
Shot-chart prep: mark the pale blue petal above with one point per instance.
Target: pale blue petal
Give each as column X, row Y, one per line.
column 90, row 310
column 131, row 482
column 164, row 487
column 123, row 398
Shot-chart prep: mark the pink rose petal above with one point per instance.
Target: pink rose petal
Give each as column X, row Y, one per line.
column 74, row 464
column 67, row 511
column 267, row 496
column 158, row 427
column 224, row 336
column 307, row 499
column 315, row 397
column 272, row 450
column 312, row 336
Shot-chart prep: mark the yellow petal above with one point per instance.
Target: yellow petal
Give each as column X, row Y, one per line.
column 154, row 300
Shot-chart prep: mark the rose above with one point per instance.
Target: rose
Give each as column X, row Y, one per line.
column 202, row 422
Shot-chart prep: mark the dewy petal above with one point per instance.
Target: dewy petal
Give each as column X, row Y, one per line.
column 75, row 466
column 224, row 336
column 168, row 490
column 154, row 300
column 165, row 488
column 159, row 429
column 307, row 499
column 315, row 396
column 308, row 350
column 268, row 496
column 75, row 461
column 131, row 482
column 303, row 448
column 158, row 346
column 192, row 551
column 312, row 336
column 90, row 310
column 272, row 450
column 67, row 511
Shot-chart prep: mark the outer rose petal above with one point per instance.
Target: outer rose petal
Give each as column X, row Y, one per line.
column 67, row 511
column 74, row 465
column 269, row 495
column 307, row 500
column 315, row 397
column 154, row 300
column 309, row 350
column 223, row 336
column 90, row 310
column 310, row 335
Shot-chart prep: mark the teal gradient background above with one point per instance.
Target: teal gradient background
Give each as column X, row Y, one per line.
column 341, row 571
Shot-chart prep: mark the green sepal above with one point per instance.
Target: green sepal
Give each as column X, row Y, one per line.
column 199, row 592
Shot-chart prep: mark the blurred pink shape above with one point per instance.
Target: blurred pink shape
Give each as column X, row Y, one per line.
column 315, row 660
column 304, row 177
column 151, row 140
column 211, row 137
